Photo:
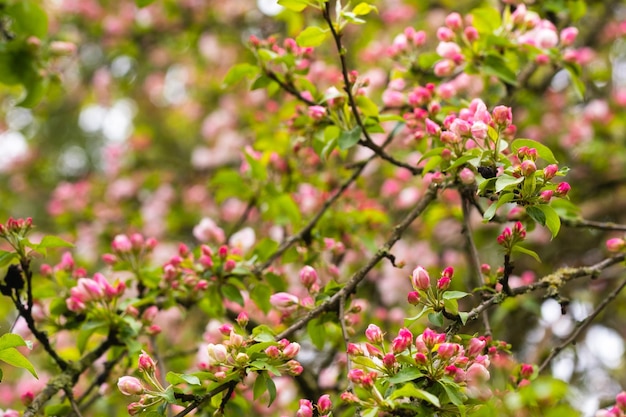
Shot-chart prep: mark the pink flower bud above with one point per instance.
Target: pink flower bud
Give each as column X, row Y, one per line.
column 129, row 385
column 324, row 405
column 454, row 21
column 615, row 244
column 568, row 36
column 389, row 360
column 502, row 116
column 354, row 350
column 349, row 398
column 447, row 350
column 476, row 347
column 146, row 363
column 528, row 168
column 283, row 300
column 546, row 195
column 294, row 368
column 467, row 176
column 402, row 341
column 272, row 352
column 562, row 189
column 308, row 276
column 317, row 112
column 471, row 33
column 217, row 354
column 443, row 283
column 445, row 34
column 291, row 350
column 432, row 128
column 550, row 171
column 444, row 68
column 305, row 410
column 479, row 130
column 243, row 319
column 121, row 244
column 421, row 358
column 374, row 334
column 413, row 298
column 420, row 279
column 526, row 371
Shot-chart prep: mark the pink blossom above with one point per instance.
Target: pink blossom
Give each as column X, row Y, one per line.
column 454, row 21
column 479, row 130
column 392, row 98
column 324, row 404
column 413, row 298
column 283, row 300
column 305, row 410
column 420, row 279
column 291, row 350
column 146, row 363
column 444, row 68
column 471, row 33
column 217, row 353
column 568, row 36
column 402, row 341
column 445, row 34
column 129, row 385
column 562, row 189
column 502, row 116
column 374, row 334
column 308, row 276
column 207, row 230
column 467, row 176
column 122, row 244
column 449, row 50
column 615, row 244
column 317, row 112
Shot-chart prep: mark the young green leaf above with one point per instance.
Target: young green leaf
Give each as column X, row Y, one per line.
column 311, row 36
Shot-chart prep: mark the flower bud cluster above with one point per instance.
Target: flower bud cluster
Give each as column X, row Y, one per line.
column 324, row 406
column 94, row 292
column 232, row 355
column 510, row 237
column 466, row 363
column 190, row 273
column 289, row 57
column 150, row 390
column 425, row 292
column 132, row 249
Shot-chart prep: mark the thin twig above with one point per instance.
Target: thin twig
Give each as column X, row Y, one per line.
column 472, row 253
column 581, row 326
column 592, row 224
column 346, row 339
column 350, row 286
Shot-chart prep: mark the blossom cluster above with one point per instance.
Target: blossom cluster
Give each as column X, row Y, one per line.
column 427, row 358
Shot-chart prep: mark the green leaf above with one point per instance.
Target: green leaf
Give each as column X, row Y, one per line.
column 13, row 357
column 451, row 306
column 259, row 385
column 143, row 3
column 317, row 333
column 175, row 379
column 454, row 392
column 410, row 390
column 367, row 106
column 436, row 318
column 553, row 221
column 232, row 293
column 536, row 214
column 312, row 36
column 261, row 294
column 486, row 19
column 491, row 210
column 542, row 150
column 406, row 374
column 431, row 164
column 363, row 9
column 496, row 65
column 349, row 138
column 58, row 410
column 454, row 295
column 460, row 161
column 6, row 257
column 53, row 242
column 263, row 333
column 533, row 254
column 411, row 320
column 28, row 19
column 11, row 340
column 238, row 73
column 271, row 390
column 294, row 5
column 463, row 316
column 505, row 181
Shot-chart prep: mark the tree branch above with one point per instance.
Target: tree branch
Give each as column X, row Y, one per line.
column 332, row 303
